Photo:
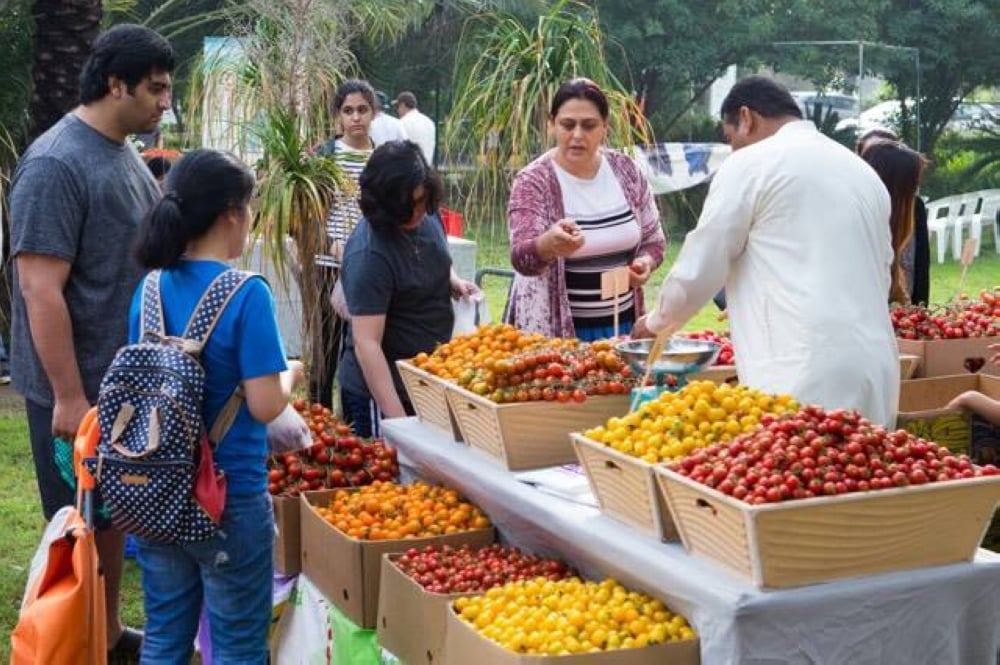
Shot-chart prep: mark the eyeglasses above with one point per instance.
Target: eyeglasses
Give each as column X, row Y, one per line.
column 587, row 125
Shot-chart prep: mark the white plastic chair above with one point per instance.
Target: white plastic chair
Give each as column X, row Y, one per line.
column 986, row 216
column 962, row 217
column 940, row 223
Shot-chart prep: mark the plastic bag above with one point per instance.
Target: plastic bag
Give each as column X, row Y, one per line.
column 470, row 311
column 54, row 530
column 288, row 432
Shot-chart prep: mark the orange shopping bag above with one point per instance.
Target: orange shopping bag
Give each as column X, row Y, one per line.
column 63, row 618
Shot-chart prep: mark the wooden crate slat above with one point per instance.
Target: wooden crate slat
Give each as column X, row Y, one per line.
column 625, row 488
column 816, row 540
column 528, row 435
column 428, row 393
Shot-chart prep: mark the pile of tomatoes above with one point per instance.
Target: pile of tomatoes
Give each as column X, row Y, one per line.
column 817, row 453
column 482, row 348
column 559, row 372
column 677, row 423
column 387, row 511
column 337, row 457
column 721, row 337
column 462, row 569
column 570, row 616
column 507, row 365
column 963, row 318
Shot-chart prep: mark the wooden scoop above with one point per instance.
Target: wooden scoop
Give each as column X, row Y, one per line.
column 655, row 351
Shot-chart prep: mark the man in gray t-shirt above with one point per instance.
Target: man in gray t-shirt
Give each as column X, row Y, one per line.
column 77, row 197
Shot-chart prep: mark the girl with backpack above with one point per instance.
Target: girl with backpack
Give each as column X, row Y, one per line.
column 202, row 222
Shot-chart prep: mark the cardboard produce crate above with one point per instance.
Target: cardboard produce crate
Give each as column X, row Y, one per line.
column 287, row 539
column 625, row 487
column 427, row 393
column 465, row 646
column 908, row 365
column 348, row 570
column 944, row 357
column 923, row 412
column 808, row 541
column 403, row 606
column 529, row 435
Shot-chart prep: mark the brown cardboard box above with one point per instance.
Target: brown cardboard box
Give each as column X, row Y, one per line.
column 347, row 570
column 923, row 412
column 411, row 620
column 825, row 538
column 463, row 645
column 287, row 542
column 529, row 435
column 945, row 357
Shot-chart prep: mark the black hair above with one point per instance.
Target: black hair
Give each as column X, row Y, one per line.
column 879, row 133
column 761, row 94
column 351, row 86
column 158, row 166
column 580, row 88
column 129, row 52
column 201, row 186
column 393, row 172
column 900, row 170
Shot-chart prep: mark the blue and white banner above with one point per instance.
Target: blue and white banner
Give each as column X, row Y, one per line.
column 671, row 167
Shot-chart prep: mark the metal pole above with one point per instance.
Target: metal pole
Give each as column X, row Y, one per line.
column 920, row 146
column 861, row 73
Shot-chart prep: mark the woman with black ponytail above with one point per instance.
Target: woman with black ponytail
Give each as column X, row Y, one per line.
column 202, row 222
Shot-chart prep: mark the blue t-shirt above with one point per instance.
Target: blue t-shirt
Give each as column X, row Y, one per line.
column 245, row 345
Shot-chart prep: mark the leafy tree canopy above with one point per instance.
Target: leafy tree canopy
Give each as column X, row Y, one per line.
column 676, row 48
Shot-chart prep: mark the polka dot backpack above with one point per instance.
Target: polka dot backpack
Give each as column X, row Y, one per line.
column 153, row 436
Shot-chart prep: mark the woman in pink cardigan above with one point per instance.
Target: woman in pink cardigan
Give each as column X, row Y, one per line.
column 574, row 213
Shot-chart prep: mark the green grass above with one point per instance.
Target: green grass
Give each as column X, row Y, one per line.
column 20, row 512
column 946, row 278
column 21, row 524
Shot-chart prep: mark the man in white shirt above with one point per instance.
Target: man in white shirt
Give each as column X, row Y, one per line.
column 418, row 127
column 797, row 229
column 385, row 127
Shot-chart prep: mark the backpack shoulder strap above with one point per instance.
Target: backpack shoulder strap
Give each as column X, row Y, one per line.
column 213, row 303
column 206, row 315
column 151, row 310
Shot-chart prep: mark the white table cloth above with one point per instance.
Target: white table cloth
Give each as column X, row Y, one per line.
column 946, row 615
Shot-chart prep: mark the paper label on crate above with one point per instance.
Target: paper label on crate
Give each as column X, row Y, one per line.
column 968, row 252
column 614, row 282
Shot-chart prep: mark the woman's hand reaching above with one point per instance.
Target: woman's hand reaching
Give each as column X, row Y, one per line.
column 561, row 239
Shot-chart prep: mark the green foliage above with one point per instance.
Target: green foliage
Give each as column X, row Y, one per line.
column 963, row 164
column 672, row 50
column 505, row 83
column 958, row 53
column 15, row 63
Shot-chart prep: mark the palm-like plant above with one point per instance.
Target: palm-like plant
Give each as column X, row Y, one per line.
column 503, row 93
column 269, row 93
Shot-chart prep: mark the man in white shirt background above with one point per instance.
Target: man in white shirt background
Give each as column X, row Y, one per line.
column 796, row 227
column 385, row 127
column 418, row 127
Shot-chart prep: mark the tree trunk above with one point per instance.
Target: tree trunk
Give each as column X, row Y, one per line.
column 64, row 31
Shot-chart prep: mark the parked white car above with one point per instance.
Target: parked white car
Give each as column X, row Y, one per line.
column 969, row 116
